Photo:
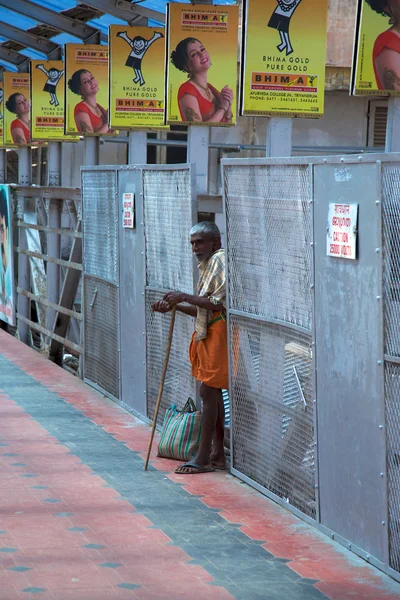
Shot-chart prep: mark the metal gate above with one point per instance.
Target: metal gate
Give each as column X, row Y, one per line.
column 101, row 364
column 315, row 344
column 270, row 274
column 169, row 212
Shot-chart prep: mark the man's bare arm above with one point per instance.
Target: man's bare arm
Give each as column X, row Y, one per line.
column 200, row 301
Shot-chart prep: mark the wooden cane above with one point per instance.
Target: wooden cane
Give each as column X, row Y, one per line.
column 161, row 388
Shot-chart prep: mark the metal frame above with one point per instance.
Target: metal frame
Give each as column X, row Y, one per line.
column 380, row 159
column 381, row 360
column 26, row 38
column 57, row 20
column 127, row 11
column 54, row 306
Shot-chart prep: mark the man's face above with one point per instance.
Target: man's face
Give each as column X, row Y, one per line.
column 202, row 246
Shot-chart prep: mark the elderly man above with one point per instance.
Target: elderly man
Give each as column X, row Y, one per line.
column 208, row 349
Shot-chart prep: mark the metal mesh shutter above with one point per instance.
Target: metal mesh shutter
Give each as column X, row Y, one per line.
column 269, row 235
column 168, row 218
column 101, row 335
column 179, row 384
column 101, row 278
column 391, row 295
column 100, row 222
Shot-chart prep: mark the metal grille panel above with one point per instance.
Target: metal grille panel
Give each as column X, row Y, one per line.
column 179, row 383
column 269, row 231
column 272, row 410
column 168, row 220
column 101, row 362
column 391, row 256
column 392, row 396
column 100, row 222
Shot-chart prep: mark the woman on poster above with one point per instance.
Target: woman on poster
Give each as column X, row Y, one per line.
column 199, row 101
column 89, row 116
column 386, row 53
column 20, row 127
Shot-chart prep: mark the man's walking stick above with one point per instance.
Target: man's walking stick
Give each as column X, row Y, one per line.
column 161, row 388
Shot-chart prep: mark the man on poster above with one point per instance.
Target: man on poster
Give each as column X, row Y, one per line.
column 208, row 351
column 386, row 53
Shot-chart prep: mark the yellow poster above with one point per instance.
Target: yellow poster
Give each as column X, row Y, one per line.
column 202, row 57
column 47, row 100
column 1, row 112
column 86, row 90
column 137, row 63
column 16, row 124
column 376, row 67
column 284, row 58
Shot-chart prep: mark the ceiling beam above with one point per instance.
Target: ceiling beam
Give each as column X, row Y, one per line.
column 126, row 11
column 57, row 20
column 12, row 57
column 27, row 39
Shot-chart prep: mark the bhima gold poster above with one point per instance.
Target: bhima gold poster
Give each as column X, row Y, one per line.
column 137, row 63
column 16, row 123
column 202, row 64
column 86, row 90
column 376, row 67
column 284, row 57
column 47, row 100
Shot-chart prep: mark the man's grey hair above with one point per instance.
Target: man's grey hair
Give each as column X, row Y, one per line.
column 208, row 228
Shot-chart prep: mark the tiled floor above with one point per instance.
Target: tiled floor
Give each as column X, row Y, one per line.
column 79, row 518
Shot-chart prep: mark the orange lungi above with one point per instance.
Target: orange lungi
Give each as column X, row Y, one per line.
column 209, row 357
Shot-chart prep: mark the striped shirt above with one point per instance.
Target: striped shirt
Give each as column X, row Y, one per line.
column 212, row 284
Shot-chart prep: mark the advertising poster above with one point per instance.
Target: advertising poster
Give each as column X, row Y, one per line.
column 7, row 293
column 1, row 112
column 137, row 64
column 376, row 65
column 86, row 90
column 47, row 100
column 284, row 58
column 202, row 56
column 16, row 122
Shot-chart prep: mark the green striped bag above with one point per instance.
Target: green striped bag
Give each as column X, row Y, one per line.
column 180, row 434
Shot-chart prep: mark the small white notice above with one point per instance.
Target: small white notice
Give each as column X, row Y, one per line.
column 128, row 201
column 341, row 240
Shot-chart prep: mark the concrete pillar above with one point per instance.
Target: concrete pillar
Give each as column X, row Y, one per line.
column 54, row 164
column 92, row 150
column 197, row 148
column 24, row 178
column 137, row 147
column 279, row 137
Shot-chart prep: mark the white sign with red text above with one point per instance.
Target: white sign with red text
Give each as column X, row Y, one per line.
column 129, row 210
column 341, row 240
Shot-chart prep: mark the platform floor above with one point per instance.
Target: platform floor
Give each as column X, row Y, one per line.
column 81, row 520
